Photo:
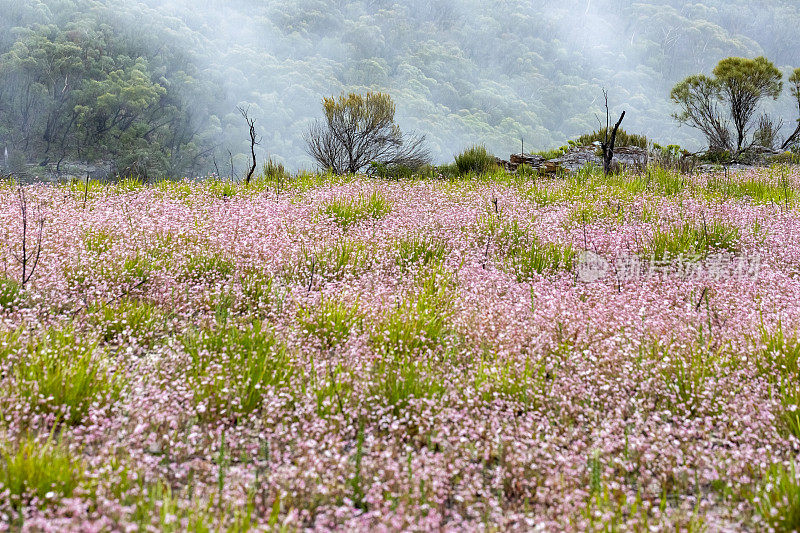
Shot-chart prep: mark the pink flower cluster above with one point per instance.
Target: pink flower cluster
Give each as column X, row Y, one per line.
column 390, row 389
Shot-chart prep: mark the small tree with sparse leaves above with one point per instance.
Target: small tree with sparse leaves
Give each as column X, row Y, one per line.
column 359, row 130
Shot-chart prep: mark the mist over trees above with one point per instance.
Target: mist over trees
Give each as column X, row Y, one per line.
column 154, row 85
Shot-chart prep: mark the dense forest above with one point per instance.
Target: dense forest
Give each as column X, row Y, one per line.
column 153, row 86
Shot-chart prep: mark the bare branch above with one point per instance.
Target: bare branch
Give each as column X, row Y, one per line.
column 254, row 141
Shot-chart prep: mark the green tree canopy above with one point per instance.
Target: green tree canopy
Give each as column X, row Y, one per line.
column 744, row 83
column 359, row 130
column 733, row 95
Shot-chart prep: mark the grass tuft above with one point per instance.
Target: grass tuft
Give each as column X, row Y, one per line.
column 347, row 212
column 231, row 368
column 475, row 160
column 691, row 240
column 778, row 500
column 419, row 250
column 46, row 471
column 330, row 322
column 64, row 373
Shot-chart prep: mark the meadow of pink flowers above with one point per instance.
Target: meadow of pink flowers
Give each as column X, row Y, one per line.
column 576, row 353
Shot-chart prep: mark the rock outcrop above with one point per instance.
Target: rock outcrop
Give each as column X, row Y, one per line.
column 577, row 158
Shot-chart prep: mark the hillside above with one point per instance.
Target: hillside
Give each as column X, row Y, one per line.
column 158, row 81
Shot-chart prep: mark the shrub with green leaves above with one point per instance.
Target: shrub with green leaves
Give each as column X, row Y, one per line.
column 553, row 153
column 475, row 160
column 392, row 172
column 623, row 139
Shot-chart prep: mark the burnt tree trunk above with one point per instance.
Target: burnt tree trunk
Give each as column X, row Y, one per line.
column 254, row 141
column 608, row 143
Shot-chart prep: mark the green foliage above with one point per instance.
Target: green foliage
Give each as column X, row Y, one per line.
column 524, row 383
column 475, row 160
column 330, row 322
column 778, row 361
column 64, row 373
column 554, row 153
column 156, row 506
column 623, row 139
column 755, row 188
column 523, row 254
column 392, row 172
column 332, row 390
column 208, row 266
column 132, row 182
column 664, row 181
column 222, row 187
column 400, row 379
column 129, row 270
column 421, row 321
column 717, row 156
column 691, row 240
column 11, row 294
column 126, row 319
column 259, row 291
column 778, row 500
column 98, row 241
column 746, row 79
column 419, row 250
column 232, row 367
column 344, row 257
column 788, row 157
column 538, row 257
column 359, row 130
column 687, row 375
column 46, row 470
column 450, row 88
column 103, row 97
column 348, row 211
column 739, row 85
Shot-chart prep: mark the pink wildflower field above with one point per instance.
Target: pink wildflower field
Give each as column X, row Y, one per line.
column 574, row 353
